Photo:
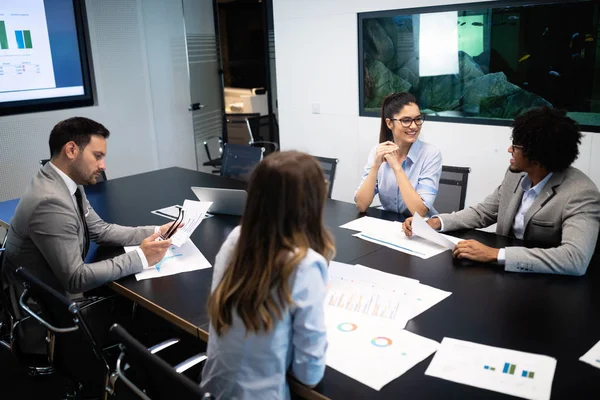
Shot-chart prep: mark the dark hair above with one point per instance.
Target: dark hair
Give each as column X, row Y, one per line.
column 283, row 218
column 392, row 105
column 76, row 129
column 548, row 136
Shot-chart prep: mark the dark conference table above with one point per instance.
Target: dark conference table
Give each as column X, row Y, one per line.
column 558, row 316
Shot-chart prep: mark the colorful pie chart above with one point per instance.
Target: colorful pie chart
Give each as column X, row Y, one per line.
column 347, row 327
column 381, row 341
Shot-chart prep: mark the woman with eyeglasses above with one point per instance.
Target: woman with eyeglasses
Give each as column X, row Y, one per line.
column 402, row 169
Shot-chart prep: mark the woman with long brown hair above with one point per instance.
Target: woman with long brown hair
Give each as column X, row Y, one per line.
column 402, row 169
column 266, row 306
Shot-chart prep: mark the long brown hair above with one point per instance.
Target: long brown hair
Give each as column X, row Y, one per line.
column 391, row 106
column 283, row 218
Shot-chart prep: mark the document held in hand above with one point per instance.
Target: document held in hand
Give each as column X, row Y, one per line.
column 422, row 229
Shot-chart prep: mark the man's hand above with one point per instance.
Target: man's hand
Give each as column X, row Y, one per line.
column 167, row 226
column 154, row 250
column 432, row 222
column 476, row 251
column 381, row 150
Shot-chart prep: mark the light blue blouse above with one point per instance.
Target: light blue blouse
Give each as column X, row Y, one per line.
column 423, row 167
column 254, row 366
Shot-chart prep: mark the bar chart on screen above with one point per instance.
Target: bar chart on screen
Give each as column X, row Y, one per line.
column 25, row 55
column 502, row 370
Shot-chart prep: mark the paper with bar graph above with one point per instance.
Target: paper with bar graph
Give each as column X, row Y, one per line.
column 184, row 258
column 506, row 371
column 592, row 357
column 374, row 353
column 376, row 294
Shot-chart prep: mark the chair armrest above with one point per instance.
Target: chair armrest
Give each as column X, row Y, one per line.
column 190, row 362
column 162, row 345
column 42, row 321
column 275, row 145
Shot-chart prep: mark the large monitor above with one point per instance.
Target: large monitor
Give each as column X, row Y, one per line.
column 44, row 62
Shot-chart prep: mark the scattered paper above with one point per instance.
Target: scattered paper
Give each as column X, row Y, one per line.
column 194, row 212
column 592, row 357
column 168, row 212
column 372, row 353
column 370, row 224
column 397, row 240
column 506, row 371
column 180, row 259
column 422, row 229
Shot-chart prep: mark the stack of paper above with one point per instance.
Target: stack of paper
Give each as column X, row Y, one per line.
column 424, row 243
column 366, row 310
column 512, row 372
column 180, row 259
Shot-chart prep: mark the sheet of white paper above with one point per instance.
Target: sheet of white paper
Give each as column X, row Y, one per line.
column 370, row 224
column 168, row 212
column 184, row 258
column 506, row 371
column 193, row 215
column 421, row 229
column 397, row 240
column 368, row 292
column 372, row 353
column 592, row 357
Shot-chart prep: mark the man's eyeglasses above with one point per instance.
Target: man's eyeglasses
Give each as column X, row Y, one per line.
column 173, row 228
column 407, row 122
column 517, row 146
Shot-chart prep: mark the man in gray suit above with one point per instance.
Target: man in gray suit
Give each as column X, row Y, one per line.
column 542, row 200
column 53, row 224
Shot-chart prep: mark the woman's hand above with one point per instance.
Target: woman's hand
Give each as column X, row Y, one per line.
column 395, row 160
column 380, row 152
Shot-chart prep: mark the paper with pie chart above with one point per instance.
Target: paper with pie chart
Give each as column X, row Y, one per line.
column 370, row 352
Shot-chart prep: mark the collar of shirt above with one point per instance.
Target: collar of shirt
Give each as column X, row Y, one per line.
column 413, row 152
column 71, row 185
column 526, row 184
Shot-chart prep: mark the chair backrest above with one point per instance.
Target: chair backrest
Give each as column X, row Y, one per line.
column 238, row 129
column 3, row 235
column 101, row 178
column 452, row 190
column 72, row 348
column 239, row 161
column 329, row 166
column 149, row 376
column 264, row 132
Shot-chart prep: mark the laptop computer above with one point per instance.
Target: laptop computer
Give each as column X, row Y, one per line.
column 225, row 201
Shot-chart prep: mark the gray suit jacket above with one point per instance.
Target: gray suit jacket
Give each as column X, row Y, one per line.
column 46, row 236
column 565, row 218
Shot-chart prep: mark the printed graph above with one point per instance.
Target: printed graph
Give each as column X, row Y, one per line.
column 510, row 369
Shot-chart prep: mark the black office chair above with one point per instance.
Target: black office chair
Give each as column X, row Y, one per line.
column 147, row 376
column 239, row 161
column 72, row 349
column 11, row 324
column 329, row 166
column 263, row 132
column 452, row 190
column 101, row 178
column 215, row 157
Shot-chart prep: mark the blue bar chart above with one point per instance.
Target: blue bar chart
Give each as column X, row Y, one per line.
column 20, row 39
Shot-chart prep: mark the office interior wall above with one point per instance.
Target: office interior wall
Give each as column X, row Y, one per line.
column 316, row 44
column 139, row 85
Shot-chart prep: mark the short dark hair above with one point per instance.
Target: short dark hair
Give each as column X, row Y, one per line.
column 392, row 105
column 76, row 129
column 548, row 136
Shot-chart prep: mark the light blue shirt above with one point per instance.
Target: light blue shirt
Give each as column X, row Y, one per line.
column 529, row 196
column 423, row 167
column 243, row 365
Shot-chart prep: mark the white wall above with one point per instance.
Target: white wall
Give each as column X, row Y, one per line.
column 140, row 87
column 316, row 44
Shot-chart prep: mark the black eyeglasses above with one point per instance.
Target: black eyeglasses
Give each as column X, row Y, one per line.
column 406, row 122
column 173, row 228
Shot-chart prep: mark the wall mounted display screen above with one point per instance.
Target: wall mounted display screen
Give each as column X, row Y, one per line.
column 43, row 56
column 484, row 62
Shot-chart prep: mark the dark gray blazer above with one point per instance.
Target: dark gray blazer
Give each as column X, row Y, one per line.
column 46, row 236
column 565, row 216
